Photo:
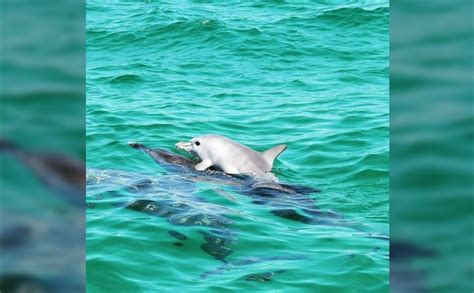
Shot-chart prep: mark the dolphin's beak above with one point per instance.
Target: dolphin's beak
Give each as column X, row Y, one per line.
column 184, row 145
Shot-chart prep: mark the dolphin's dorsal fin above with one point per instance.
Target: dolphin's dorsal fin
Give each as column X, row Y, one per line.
column 271, row 154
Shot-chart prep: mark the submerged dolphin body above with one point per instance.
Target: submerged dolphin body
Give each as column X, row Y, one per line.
column 230, row 156
column 171, row 198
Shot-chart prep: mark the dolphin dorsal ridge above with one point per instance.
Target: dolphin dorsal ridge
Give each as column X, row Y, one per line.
column 271, row 154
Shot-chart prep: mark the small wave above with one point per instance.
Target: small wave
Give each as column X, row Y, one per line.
column 353, row 16
column 126, row 78
column 368, row 175
column 338, row 16
column 183, row 27
column 117, row 38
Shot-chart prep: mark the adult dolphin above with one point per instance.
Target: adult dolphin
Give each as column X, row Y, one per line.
column 255, row 182
column 287, row 201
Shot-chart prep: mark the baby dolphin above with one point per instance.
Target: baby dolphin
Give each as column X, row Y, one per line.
column 229, row 156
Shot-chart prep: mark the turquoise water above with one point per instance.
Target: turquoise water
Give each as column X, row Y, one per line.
column 42, row 106
column 313, row 76
column 432, row 135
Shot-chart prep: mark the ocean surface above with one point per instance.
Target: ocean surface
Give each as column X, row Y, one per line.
column 42, row 106
column 311, row 75
column 431, row 145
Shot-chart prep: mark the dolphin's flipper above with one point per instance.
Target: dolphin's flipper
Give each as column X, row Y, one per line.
column 203, row 165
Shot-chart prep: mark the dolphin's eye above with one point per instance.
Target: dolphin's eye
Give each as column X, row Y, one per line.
column 197, row 143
